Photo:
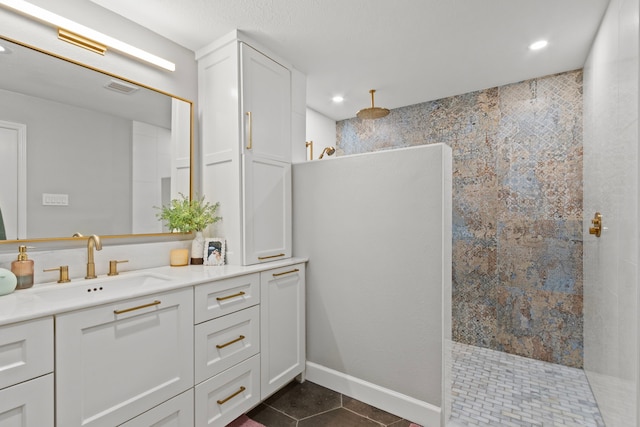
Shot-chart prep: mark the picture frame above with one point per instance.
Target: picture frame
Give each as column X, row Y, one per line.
column 214, row 251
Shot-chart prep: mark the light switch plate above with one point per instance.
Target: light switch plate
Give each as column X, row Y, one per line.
column 55, row 199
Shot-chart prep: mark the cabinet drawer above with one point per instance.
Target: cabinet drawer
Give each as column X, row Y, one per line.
column 26, row 351
column 222, row 297
column 176, row 412
column 223, row 398
column 221, row 343
column 29, row 404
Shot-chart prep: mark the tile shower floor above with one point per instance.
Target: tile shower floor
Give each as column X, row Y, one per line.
column 491, row 388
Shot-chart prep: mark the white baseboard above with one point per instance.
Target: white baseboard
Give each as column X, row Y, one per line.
column 409, row 408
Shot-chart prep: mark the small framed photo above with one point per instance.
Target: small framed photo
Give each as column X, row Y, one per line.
column 214, row 251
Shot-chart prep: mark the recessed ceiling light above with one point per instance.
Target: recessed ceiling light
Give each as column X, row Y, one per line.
column 4, row 49
column 538, row 45
column 337, row 99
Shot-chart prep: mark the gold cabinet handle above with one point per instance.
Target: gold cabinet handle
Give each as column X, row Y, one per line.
column 240, row 338
column 295, row 270
column 250, row 144
column 239, row 294
column 270, row 256
column 126, row 310
column 226, row 399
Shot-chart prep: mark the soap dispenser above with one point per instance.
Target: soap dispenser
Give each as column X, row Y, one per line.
column 23, row 269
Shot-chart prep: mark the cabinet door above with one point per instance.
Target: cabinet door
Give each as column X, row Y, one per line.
column 267, row 210
column 266, row 105
column 28, row 404
column 118, row 360
column 282, row 323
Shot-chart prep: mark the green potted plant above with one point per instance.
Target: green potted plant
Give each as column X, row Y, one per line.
column 187, row 215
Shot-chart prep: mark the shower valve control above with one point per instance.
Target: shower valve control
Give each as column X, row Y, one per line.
column 597, row 225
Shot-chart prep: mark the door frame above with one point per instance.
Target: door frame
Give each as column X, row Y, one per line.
column 21, row 141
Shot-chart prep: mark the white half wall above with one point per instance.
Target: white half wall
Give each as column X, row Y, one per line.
column 377, row 230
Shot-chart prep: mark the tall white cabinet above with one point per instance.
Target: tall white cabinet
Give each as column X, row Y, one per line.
column 245, row 100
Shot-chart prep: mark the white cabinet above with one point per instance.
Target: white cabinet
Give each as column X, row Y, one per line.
column 245, row 113
column 282, row 320
column 116, row 361
column 227, row 349
column 266, row 105
column 245, row 353
column 26, row 383
column 267, row 210
column 28, row 404
column 201, row 355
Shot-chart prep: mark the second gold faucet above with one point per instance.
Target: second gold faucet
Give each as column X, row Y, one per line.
column 92, row 242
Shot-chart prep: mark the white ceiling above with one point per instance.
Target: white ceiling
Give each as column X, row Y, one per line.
column 410, row 51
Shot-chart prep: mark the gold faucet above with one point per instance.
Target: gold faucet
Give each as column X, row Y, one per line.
column 93, row 241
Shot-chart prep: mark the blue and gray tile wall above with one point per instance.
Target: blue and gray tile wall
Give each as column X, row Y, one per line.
column 517, row 208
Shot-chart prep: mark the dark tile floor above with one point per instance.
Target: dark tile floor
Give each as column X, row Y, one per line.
column 310, row 405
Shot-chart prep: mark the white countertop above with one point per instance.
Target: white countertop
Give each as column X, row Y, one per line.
column 33, row 303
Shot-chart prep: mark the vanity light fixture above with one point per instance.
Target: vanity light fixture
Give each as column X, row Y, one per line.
column 80, row 35
column 80, row 41
column 540, row 44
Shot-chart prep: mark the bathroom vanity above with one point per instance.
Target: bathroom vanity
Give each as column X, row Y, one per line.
column 190, row 346
column 196, row 345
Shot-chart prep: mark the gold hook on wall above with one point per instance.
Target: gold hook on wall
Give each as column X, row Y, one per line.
column 597, row 225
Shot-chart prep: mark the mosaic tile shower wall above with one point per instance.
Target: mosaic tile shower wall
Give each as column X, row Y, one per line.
column 517, row 208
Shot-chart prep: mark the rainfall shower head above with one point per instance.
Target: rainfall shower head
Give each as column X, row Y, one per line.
column 372, row 112
column 328, row 150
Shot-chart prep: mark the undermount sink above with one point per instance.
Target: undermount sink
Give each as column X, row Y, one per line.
column 102, row 287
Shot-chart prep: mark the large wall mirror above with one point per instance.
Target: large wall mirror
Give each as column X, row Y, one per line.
column 84, row 151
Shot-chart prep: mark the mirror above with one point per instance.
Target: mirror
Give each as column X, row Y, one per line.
column 85, row 151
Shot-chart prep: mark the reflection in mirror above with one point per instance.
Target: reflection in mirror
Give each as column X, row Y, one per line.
column 84, row 151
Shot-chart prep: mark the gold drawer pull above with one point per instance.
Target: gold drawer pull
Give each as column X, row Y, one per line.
column 240, row 338
column 126, row 310
column 295, row 270
column 239, row 294
column 250, row 145
column 226, row 399
column 270, row 256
